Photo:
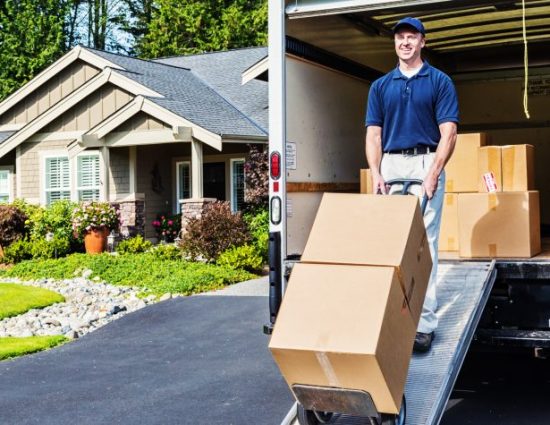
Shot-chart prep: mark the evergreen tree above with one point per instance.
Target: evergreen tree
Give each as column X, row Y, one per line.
column 195, row 26
column 32, row 36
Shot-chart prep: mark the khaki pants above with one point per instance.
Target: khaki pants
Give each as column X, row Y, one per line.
column 397, row 166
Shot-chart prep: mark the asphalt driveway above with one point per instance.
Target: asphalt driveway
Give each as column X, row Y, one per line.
column 195, row 360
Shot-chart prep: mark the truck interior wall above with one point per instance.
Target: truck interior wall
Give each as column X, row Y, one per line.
column 325, row 118
column 500, row 103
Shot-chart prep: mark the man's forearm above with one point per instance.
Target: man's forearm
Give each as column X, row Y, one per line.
column 445, row 147
column 373, row 147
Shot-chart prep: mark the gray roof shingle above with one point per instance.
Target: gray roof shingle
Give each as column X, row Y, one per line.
column 188, row 95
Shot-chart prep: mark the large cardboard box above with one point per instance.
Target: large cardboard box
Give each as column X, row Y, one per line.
column 518, row 168
column 489, row 160
column 503, row 224
column 448, row 233
column 461, row 170
column 379, row 230
column 365, row 177
column 347, row 327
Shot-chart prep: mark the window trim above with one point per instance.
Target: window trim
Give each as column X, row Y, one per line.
column 11, row 170
column 76, row 187
column 178, row 163
column 44, row 159
column 231, row 176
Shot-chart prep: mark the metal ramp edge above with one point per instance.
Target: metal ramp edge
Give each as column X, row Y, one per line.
column 463, row 291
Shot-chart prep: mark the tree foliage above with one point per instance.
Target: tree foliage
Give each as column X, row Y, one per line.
column 32, row 36
column 195, row 26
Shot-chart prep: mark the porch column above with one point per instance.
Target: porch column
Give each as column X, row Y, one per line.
column 196, row 169
column 132, row 166
column 104, row 158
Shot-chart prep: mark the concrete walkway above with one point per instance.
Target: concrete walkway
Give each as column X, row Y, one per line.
column 194, row 360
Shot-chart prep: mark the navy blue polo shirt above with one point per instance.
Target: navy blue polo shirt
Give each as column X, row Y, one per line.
column 409, row 110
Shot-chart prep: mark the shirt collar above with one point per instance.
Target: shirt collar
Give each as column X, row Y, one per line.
column 424, row 71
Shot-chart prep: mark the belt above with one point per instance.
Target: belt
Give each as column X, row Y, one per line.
column 417, row 150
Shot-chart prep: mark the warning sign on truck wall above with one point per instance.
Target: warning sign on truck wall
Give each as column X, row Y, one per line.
column 290, row 156
column 539, row 86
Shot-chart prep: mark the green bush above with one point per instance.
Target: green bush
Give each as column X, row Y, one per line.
column 18, row 251
column 166, row 252
column 241, row 257
column 214, row 232
column 12, row 224
column 36, row 248
column 133, row 245
column 258, row 226
column 30, row 210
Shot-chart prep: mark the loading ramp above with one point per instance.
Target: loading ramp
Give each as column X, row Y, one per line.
column 463, row 290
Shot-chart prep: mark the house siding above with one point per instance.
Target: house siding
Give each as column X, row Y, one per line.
column 119, row 177
column 64, row 83
column 142, row 121
column 91, row 111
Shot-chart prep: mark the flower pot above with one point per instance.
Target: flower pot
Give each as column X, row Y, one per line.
column 95, row 240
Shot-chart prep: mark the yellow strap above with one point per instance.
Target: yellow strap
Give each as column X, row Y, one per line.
column 525, row 63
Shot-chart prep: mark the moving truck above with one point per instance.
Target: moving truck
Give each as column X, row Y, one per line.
column 323, row 56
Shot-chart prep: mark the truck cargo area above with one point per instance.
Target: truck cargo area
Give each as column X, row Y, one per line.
column 463, row 291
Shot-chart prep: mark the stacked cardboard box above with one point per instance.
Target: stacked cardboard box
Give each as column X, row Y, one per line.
column 352, row 305
column 498, row 214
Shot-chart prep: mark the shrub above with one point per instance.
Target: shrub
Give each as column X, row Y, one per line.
column 258, row 226
column 167, row 227
column 133, row 245
column 37, row 248
column 18, row 251
column 214, row 232
column 241, row 257
column 12, row 224
column 256, row 178
column 166, row 252
column 55, row 218
column 32, row 211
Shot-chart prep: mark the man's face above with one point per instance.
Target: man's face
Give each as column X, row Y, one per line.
column 408, row 44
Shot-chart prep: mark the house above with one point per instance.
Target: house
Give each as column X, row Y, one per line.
column 154, row 137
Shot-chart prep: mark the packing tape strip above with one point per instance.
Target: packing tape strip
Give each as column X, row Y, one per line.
column 449, row 200
column 510, row 182
column 328, row 370
column 492, row 201
column 451, row 243
column 492, row 249
column 449, row 185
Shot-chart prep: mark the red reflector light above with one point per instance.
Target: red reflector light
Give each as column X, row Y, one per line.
column 275, row 165
column 275, row 187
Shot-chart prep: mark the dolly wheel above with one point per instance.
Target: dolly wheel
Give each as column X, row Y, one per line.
column 396, row 419
column 312, row 417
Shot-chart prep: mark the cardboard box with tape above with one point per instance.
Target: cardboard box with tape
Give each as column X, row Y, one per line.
column 351, row 308
column 489, row 163
column 462, row 169
column 448, row 233
column 503, row 224
column 518, row 168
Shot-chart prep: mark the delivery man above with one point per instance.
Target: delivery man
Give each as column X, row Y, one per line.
column 412, row 116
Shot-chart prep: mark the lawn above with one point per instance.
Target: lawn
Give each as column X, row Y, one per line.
column 153, row 274
column 17, row 299
column 13, row 347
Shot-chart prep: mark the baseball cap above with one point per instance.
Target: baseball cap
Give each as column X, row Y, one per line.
column 410, row 22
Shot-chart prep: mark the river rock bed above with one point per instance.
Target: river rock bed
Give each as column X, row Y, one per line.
column 89, row 304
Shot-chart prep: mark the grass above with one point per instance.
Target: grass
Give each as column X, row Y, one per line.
column 14, row 347
column 146, row 271
column 17, row 299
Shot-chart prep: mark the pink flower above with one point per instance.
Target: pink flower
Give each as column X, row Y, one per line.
column 170, row 222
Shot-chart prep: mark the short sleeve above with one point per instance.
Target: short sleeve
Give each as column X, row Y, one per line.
column 375, row 115
column 446, row 107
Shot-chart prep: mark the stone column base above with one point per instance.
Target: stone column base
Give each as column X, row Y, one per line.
column 192, row 208
column 132, row 218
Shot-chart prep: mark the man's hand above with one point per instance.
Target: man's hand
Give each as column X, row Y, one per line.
column 378, row 184
column 430, row 185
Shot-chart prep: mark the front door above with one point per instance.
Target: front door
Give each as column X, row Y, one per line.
column 214, row 180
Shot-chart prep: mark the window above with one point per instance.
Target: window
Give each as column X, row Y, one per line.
column 237, row 184
column 183, row 183
column 58, row 179
column 88, row 177
column 5, row 185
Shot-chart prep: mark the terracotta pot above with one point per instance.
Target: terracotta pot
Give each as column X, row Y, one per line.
column 95, row 241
